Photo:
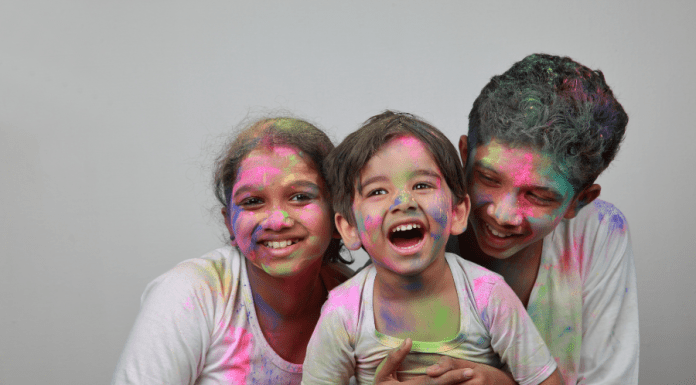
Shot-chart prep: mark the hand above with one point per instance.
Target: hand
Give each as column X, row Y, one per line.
column 386, row 371
column 481, row 374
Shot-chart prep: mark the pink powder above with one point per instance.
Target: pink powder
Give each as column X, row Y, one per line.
column 482, row 290
column 237, row 357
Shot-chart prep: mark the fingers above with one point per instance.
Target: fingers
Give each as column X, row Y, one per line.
column 452, row 377
column 392, row 362
column 444, row 364
column 456, row 376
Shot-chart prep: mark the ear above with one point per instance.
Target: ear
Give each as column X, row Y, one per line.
column 226, row 218
column 349, row 233
column 463, row 149
column 460, row 216
column 585, row 197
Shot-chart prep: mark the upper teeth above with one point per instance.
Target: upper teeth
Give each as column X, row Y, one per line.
column 497, row 234
column 406, row 227
column 279, row 245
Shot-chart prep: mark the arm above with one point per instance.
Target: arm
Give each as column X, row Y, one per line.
column 330, row 357
column 514, row 336
column 170, row 335
column 610, row 343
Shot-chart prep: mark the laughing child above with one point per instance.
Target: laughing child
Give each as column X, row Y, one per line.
column 398, row 190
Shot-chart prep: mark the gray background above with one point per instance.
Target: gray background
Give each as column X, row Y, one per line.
column 111, row 114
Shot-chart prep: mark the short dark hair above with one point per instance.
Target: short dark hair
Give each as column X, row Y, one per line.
column 557, row 106
column 345, row 163
column 278, row 131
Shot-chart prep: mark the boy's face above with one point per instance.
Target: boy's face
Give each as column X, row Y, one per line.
column 517, row 197
column 403, row 209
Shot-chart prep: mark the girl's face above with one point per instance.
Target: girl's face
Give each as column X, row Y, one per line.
column 278, row 213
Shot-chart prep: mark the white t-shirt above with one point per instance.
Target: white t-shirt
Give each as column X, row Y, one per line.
column 584, row 299
column 197, row 325
column 494, row 329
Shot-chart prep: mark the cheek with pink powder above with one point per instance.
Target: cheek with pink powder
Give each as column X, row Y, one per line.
column 369, row 227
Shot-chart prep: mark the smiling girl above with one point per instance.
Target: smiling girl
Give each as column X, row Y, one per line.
column 244, row 313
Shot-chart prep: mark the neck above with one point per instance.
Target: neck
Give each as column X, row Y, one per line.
column 426, row 284
column 286, row 298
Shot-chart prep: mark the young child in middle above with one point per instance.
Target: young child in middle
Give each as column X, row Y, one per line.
column 398, row 191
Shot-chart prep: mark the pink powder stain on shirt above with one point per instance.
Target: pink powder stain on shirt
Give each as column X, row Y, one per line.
column 343, row 297
column 237, row 357
column 572, row 257
column 482, row 291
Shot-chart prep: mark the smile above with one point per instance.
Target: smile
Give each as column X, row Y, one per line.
column 280, row 244
column 496, row 233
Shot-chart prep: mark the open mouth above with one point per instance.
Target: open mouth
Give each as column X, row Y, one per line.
column 406, row 235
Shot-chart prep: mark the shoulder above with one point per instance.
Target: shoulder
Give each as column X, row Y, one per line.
column 473, row 272
column 597, row 239
column 213, row 272
column 480, row 281
column 347, row 296
column 601, row 215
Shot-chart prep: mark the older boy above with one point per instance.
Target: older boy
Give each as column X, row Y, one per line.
column 391, row 186
column 539, row 135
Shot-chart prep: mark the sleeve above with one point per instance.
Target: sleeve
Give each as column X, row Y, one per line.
column 330, row 357
column 515, row 338
column 171, row 335
column 610, row 341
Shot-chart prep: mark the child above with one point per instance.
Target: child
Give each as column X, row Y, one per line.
column 244, row 313
column 399, row 192
column 539, row 136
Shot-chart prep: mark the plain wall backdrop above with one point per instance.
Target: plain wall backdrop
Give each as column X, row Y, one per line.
column 111, row 114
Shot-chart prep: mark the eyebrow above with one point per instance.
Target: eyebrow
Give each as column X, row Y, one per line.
column 383, row 178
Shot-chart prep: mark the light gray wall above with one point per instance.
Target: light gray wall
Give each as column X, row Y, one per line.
column 110, row 114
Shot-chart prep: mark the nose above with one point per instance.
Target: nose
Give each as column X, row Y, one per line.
column 403, row 201
column 505, row 210
column 277, row 220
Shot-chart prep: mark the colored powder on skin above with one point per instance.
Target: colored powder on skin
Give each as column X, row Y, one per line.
column 415, row 285
column 441, row 317
column 267, row 310
column 237, row 356
column 393, row 323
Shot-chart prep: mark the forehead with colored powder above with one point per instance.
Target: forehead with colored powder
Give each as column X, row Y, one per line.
column 414, row 156
column 525, row 166
column 265, row 163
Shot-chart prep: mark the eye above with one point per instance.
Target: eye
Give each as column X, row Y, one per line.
column 539, row 200
column 250, row 202
column 487, row 179
column 422, row 185
column 377, row 191
column 302, row 197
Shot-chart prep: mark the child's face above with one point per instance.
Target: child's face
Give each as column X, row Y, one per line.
column 278, row 213
column 403, row 209
column 517, row 197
